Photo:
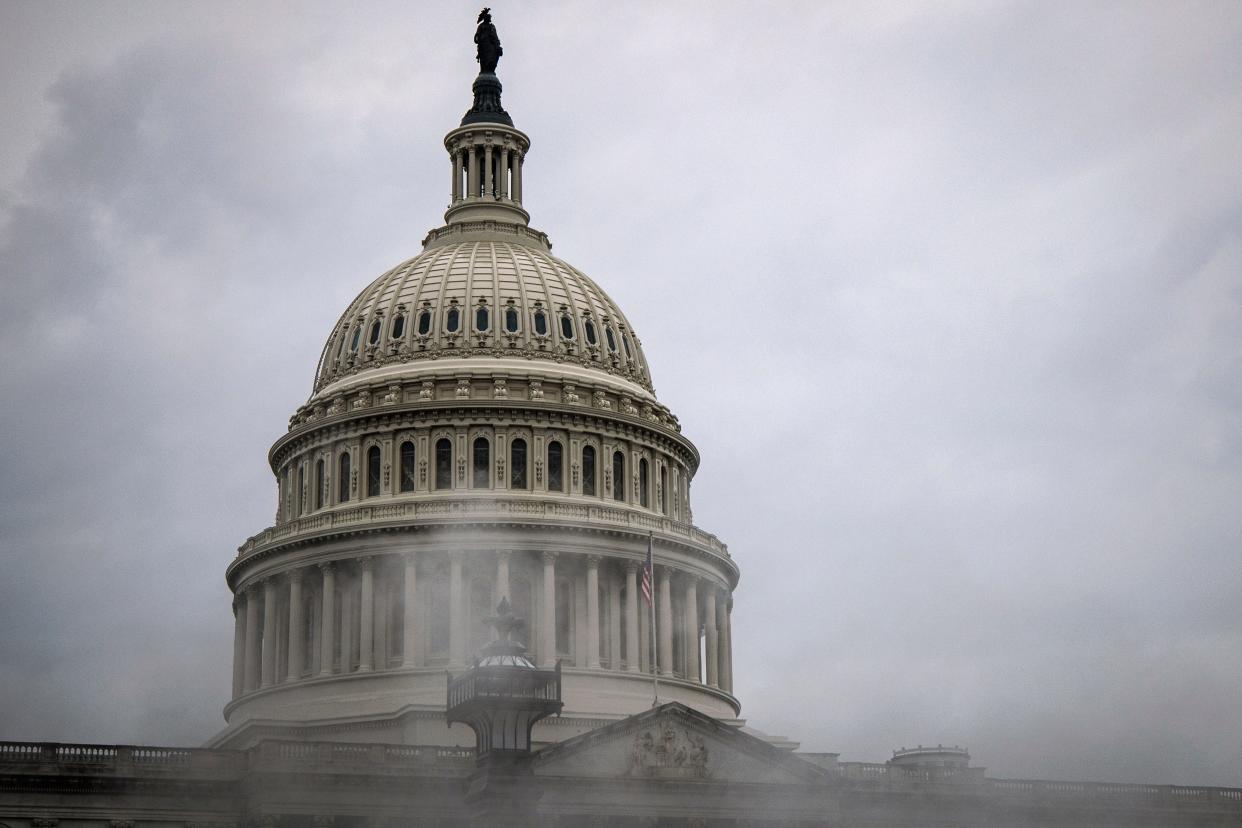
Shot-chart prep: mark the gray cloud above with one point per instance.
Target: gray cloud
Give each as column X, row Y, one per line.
column 947, row 297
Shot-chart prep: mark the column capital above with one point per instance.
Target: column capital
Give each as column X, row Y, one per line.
column 410, row 557
column 296, row 574
column 456, row 555
column 366, row 563
column 592, row 561
column 632, row 566
column 503, row 554
column 326, row 566
column 549, row 557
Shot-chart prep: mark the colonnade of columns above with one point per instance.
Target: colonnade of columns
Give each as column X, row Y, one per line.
column 364, row 614
column 487, row 171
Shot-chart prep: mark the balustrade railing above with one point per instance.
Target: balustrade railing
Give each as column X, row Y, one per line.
column 1173, row 795
column 482, row 508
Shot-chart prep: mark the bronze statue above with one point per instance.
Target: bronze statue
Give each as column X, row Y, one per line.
column 488, row 42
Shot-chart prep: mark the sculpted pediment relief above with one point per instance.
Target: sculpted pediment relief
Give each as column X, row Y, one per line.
column 673, row 743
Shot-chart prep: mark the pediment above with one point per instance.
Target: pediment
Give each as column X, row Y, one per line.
column 674, row 743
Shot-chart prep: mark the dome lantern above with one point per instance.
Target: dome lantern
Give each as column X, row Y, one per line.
column 486, row 150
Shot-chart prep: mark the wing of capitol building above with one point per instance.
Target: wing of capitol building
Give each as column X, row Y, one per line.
column 484, row 569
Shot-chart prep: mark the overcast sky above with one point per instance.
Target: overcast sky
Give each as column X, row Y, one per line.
column 949, row 296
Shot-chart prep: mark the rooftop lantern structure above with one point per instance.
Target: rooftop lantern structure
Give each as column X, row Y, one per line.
column 502, row 696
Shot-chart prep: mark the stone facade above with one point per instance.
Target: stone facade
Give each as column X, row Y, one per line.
column 483, row 426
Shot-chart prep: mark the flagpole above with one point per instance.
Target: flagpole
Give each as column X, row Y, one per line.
column 651, row 649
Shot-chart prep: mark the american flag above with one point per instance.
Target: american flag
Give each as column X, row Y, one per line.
column 647, row 573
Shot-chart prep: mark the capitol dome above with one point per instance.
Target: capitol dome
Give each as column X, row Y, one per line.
column 482, row 427
column 505, row 297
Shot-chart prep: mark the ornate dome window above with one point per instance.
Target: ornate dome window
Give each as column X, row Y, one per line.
column 319, row 475
column 408, row 478
column 541, row 323
column 556, row 467
column 482, row 477
column 643, row 480
column 618, row 476
column 376, row 327
column 452, row 320
column 342, row 483
column 424, row 322
column 589, row 327
column 512, row 319
column 588, row 470
column 567, row 326
column 611, row 337
column 444, row 463
column 373, row 471
column 482, row 317
column 398, row 326
column 517, row 464
column 625, row 341
column 353, row 340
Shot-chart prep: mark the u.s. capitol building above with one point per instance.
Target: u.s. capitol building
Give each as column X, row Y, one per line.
column 483, row 433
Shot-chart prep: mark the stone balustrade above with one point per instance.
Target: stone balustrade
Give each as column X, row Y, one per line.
column 449, row 509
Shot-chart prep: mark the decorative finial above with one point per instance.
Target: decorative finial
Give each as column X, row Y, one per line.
column 488, row 41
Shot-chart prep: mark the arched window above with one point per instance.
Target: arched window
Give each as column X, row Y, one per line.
column 567, row 326
column 643, row 478
column 376, row 327
column 408, row 480
column 589, row 327
column 625, row 342
column 319, row 473
column 618, row 476
column 482, row 319
column 398, row 326
column 517, row 464
column 452, row 320
column 541, row 323
column 588, row 470
column 353, row 340
column 373, row 471
column 663, row 488
column 612, row 339
column 556, row 467
column 511, row 320
column 444, row 463
column 342, row 481
column 482, row 477
column 424, row 322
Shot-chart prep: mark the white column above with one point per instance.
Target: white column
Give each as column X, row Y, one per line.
column 712, row 645
column 665, row 623
column 548, row 645
column 504, row 172
column 269, row 632
column 457, row 635
column 472, row 174
column 632, row 645
column 409, row 626
column 726, row 645
column 252, row 638
column 517, row 177
column 488, row 180
column 592, row 610
column 327, row 627
column 239, row 644
column 692, row 631
column 500, row 590
column 366, row 618
column 295, row 625
column 456, row 176
column 614, row 619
